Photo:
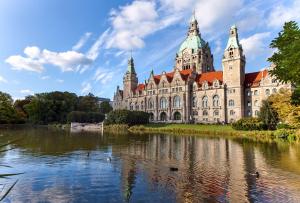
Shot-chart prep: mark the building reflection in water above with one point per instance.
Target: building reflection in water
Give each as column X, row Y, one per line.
column 209, row 170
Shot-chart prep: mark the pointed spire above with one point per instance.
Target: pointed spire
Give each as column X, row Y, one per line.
column 193, row 29
column 130, row 67
column 233, row 40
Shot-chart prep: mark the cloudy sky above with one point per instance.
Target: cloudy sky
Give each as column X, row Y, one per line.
column 82, row 46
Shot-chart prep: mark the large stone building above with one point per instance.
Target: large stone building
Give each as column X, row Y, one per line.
column 194, row 91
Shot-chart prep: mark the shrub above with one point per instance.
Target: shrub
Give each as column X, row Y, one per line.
column 127, row 117
column 249, row 124
column 286, row 134
column 85, row 117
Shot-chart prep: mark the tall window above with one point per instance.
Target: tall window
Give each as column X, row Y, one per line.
column 256, row 113
column 274, row 90
column 150, row 104
column 216, row 113
column 255, row 92
column 131, row 106
column 205, row 113
column 216, row 101
column 163, row 103
column 194, row 101
column 176, row 102
column 256, row 103
column 205, row 102
column 267, row 92
column 231, row 102
column 232, row 112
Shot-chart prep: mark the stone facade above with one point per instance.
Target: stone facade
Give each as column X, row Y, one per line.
column 194, row 91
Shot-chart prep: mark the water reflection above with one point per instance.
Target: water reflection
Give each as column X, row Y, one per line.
column 64, row 167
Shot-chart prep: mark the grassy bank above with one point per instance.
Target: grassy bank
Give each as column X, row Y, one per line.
column 217, row 130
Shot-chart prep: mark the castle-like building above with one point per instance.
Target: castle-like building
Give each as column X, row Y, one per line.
column 194, row 91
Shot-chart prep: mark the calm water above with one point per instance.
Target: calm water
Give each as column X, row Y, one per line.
column 63, row 167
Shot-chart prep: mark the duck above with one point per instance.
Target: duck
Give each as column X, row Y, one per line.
column 173, row 169
column 108, row 159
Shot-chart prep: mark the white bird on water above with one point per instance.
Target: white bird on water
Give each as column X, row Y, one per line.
column 108, row 159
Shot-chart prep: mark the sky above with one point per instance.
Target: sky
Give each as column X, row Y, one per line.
column 82, row 46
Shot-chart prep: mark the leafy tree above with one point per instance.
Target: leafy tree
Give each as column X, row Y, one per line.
column 105, row 107
column 268, row 115
column 127, row 117
column 296, row 97
column 287, row 55
column 88, row 103
column 19, row 105
column 7, row 113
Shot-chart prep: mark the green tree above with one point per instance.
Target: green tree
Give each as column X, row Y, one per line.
column 268, row 115
column 88, row 103
column 105, row 107
column 7, row 113
column 287, row 55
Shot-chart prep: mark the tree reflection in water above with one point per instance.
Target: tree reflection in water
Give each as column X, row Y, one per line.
column 209, row 169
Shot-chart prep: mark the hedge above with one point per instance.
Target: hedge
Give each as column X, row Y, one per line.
column 249, row 124
column 127, row 117
column 85, row 117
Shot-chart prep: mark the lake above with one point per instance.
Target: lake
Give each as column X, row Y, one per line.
column 60, row 166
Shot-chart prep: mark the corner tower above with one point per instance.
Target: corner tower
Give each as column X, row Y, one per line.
column 233, row 63
column 130, row 80
column 194, row 52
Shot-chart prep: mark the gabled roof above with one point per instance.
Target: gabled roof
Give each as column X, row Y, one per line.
column 140, row 87
column 210, row 77
column 184, row 74
column 253, row 79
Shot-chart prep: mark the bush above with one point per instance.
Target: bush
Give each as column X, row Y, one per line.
column 286, row 134
column 85, row 117
column 127, row 117
column 249, row 124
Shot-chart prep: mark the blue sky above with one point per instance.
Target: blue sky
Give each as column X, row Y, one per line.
column 83, row 46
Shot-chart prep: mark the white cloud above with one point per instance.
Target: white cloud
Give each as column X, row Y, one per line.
column 255, row 44
column 86, row 88
column 214, row 12
column 27, row 92
column 46, row 77
column 133, row 22
column 103, row 75
column 82, row 41
column 177, row 5
column 36, row 59
column 66, row 61
column 59, row 80
column 281, row 14
column 18, row 62
column 95, row 49
column 2, row 79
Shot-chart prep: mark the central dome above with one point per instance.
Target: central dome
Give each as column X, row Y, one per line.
column 192, row 42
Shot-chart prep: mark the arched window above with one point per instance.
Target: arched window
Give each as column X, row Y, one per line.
column 163, row 116
column 216, row 101
column 195, row 113
column 256, row 103
column 274, row 90
column 177, row 116
column 151, row 116
column 256, row 113
column 150, row 104
column 142, row 105
column 216, row 113
column 249, row 113
column 255, row 92
column 176, row 102
column 163, row 103
column 131, row 106
column 267, row 92
column 205, row 113
column 137, row 106
column 231, row 102
column 205, row 102
column 232, row 112
column 194, row 101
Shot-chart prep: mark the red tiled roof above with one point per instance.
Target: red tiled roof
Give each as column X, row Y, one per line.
column 184, row 74
column 210, row 77
column 253, row 79
column 140, row 87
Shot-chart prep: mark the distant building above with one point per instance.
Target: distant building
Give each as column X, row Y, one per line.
column 101, row 99
column 194, row 91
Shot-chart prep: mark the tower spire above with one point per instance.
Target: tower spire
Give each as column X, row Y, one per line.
column 193, row 29
column 130, row 67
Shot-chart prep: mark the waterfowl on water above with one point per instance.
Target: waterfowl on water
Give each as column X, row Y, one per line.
column 108, row 159
column 255, row 174
column 173, row 169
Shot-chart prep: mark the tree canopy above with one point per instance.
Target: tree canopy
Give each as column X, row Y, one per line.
column 105, row 107
column 286, row 57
